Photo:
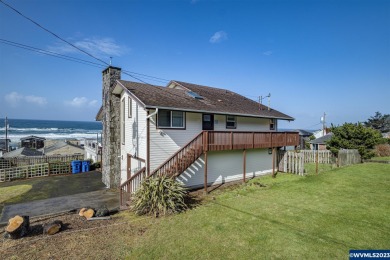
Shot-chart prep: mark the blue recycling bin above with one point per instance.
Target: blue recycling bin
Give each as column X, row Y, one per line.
column 76, row 167
column 85, row 166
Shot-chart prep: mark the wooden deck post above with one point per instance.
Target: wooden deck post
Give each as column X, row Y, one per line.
column 244, row 165
column 205, row 172
column 273, row 162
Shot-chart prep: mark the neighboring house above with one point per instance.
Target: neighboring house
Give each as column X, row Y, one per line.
column 62, row 148
column 92, row 149
column 33, row 142
column 320, row 143
column 22, row 152
column 199, row 134
column 303, row 138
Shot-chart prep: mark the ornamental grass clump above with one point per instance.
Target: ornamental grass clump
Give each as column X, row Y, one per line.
column 160, row 196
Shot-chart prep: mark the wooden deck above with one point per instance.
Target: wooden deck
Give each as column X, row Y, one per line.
column 207, row 141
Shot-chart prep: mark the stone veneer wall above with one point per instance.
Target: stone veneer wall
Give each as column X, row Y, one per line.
column 111, row 129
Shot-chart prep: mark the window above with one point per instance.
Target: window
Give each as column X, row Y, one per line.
column 170, row 119
column 272, row 124
column 123, row 110
column 129, row 109
column 231, row 122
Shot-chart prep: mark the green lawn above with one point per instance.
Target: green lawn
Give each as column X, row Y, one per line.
column 385, row 158
column 314, row 217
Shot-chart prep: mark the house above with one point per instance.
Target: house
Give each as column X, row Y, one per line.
column 22, row 152
column 33, row 142
column 320, row 143
column 60, row 147
column 303, row 138
column 93, row 149
column 198, row 134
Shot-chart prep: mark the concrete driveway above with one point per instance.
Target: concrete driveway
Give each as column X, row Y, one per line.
column 56, row 194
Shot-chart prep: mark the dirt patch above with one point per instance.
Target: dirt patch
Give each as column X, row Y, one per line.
column 99, row 239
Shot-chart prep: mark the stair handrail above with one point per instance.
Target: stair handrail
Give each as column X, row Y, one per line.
column 127, row 185
column 171, row 158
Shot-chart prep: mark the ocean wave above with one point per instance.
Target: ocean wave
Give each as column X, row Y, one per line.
column 31, row 129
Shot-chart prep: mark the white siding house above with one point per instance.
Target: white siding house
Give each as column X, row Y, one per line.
column 200, row 135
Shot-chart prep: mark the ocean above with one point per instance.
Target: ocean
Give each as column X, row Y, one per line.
column 49, row 129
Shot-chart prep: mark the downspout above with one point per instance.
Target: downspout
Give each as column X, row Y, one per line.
column 152, row 114
column 148, row 140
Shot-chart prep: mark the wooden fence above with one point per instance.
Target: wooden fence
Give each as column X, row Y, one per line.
column 293, row 161
column 37, row 170
column 324, row 156
column 33, row 160
column 348, row 157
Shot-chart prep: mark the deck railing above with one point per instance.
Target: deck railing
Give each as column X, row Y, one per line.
column 222, row 140
column 131, row 185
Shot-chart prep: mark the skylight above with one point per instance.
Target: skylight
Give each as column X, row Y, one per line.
column 194, row 95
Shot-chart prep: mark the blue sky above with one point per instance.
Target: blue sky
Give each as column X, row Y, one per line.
column 312, row 56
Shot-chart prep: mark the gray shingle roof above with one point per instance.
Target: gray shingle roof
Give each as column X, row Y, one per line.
column 215, row 100
column 322, row 139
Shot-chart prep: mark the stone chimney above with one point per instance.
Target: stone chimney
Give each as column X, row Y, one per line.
column 111, row 129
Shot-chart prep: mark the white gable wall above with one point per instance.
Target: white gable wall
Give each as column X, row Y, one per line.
column 135, row 136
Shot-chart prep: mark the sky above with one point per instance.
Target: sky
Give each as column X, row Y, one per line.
column 314, row 57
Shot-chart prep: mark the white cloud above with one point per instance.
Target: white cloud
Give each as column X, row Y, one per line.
column 95, row 46
column 81, row 102
column 268, row 53
column 14, row 99
column 41, row 101
column 218, row 37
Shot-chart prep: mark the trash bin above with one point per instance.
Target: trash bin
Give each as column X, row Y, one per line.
column 76, row 166
column 85, row 167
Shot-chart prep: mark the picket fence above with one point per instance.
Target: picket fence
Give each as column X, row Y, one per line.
column 294, row 161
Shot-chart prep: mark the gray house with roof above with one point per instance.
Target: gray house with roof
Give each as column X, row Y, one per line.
column 198, row 134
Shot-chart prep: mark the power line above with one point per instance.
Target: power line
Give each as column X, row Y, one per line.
column 81, row 61
column 52, row 33
column 50, row 53
column 74, row 46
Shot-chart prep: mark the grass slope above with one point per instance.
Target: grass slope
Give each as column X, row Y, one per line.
column 314, row 217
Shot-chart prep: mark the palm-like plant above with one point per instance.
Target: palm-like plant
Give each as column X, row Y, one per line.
column 160, row 196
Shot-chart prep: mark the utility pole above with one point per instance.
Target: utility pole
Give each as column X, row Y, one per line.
column 6, row 134
column 323, row 125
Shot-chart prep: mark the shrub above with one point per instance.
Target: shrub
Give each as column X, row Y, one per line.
column 382, row 150
column 160, row 196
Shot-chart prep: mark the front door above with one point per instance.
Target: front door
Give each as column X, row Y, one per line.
column 208, row 122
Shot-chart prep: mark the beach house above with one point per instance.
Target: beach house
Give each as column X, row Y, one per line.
column 198, row 134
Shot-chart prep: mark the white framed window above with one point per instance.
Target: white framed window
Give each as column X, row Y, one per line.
column 231, row 122
column 272, row 124
column 123, row 116
column 129, row 108
column 171, row 119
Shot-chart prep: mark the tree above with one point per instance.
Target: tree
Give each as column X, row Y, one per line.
column 355, row 136
column 379, row 122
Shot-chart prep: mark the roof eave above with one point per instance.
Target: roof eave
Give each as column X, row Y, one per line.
column 219, row 112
